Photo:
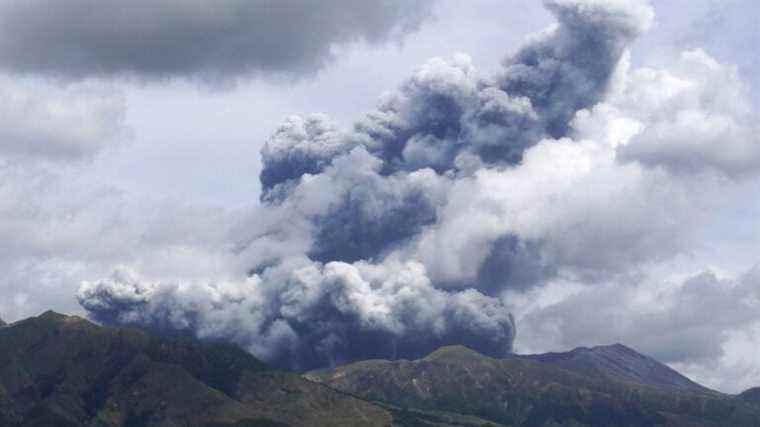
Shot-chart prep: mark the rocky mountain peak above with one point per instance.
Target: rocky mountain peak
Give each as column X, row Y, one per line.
column 604, row 385
column 621, row 363
column 454, row 353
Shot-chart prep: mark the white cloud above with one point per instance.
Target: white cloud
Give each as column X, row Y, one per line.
column 42, row 121
column 703, row 325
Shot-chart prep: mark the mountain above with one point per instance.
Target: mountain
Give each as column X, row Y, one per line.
column 58, row 370
column 64, row 371
column 601, row 386
column 751, row 396
column 619, row 363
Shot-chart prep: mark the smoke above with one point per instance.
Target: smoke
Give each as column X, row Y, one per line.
column 309, row 315
column 406, row 231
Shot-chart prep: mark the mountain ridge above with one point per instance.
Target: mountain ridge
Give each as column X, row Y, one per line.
column 620, row 362
column 585, row 386
column 751, row 395
column 67, row 371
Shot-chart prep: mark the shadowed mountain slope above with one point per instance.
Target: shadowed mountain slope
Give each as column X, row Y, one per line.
column 751, row 396
column 58, row 370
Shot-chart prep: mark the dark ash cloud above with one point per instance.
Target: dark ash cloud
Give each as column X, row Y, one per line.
column 345, row 214
column 369, row 191
column 410, row 229
column 569, row 68
column 218, row 40
column 312, row 315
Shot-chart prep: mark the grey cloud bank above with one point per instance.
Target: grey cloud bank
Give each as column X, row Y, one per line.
column 696, row 316
column 60, row 125
column 215, row 41
column 688, row 324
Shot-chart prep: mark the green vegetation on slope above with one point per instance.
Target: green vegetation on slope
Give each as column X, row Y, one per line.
column 58, row 370
column 64, row 371
column 524, row 392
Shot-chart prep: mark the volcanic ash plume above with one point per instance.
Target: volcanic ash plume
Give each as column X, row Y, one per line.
column 400, row 235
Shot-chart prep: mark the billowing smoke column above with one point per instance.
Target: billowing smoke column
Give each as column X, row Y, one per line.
column 312, row 315
column 341, row 245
